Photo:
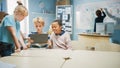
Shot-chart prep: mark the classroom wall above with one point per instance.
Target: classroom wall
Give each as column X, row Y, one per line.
column 84, row 13
column 87, row 8
column 3, row 5
column 44, row 9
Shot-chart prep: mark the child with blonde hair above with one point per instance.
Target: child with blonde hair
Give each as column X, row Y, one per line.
column 10, row 33
column 39, row 25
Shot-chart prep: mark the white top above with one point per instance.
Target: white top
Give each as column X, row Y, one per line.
column 62, row 41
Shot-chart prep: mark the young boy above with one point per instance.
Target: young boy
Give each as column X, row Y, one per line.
column 39, row 24
column 59, row 38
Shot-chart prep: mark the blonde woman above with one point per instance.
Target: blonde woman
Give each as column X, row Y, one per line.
column 10, row 33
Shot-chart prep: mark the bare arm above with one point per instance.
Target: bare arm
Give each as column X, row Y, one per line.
column 104, row 15
column 22, row 35
column 13, row 33
column 117, row 19
column 22, row 41
column 68, row 42
column 50, row 44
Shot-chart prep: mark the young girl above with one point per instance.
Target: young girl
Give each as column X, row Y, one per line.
column 10, row 30
column 59, row 38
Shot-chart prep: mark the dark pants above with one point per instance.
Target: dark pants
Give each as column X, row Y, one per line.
column 6, row 49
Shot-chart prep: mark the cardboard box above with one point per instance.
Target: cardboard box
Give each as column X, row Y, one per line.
column 63, row 2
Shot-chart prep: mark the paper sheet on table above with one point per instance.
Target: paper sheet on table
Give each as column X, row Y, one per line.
column 6, row 65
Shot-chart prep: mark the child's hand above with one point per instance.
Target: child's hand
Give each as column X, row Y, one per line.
column 65, row 48
column 18, row 50
column 29, row 40
column 28, row 44
column 50, row 47
column 25, row 47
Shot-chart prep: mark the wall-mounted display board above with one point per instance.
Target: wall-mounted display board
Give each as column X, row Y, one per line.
column 85, row 13
column 64, row 13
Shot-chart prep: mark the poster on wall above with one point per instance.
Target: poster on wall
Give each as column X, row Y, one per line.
column 64, row 13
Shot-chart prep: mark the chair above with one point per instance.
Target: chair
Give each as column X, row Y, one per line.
column 2, row 15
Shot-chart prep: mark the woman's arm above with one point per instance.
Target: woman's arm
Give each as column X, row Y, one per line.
column 104, row 15
column 110, row 15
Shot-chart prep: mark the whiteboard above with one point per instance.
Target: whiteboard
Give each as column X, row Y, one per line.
column 85, row 13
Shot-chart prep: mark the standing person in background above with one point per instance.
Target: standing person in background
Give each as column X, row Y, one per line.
column 117, row 19
column 116, row 33
column 100, row 17
column 11, row 35
column 59, row 38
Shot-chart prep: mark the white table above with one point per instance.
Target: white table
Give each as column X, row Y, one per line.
column 54, row 58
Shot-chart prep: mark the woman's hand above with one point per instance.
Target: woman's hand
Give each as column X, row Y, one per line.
column 101, row 9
